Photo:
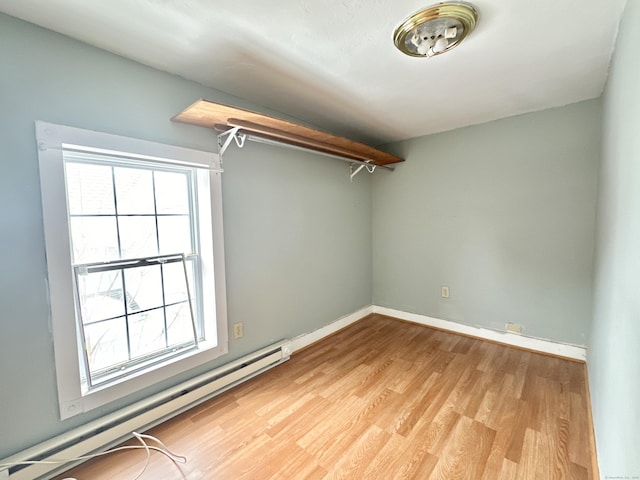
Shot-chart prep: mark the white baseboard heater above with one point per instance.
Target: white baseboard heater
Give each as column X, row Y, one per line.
column 118, row 426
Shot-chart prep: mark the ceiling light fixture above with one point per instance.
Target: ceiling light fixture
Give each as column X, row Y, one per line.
column 436, row 29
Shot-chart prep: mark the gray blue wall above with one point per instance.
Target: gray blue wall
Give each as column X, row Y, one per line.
column 297, row 233
column 503, row 213
column 614, row 353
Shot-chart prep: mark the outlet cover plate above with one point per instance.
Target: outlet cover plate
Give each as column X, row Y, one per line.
column 513, row 327
column 238, row 330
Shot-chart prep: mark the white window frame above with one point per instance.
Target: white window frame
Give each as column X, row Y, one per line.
column 73, row 396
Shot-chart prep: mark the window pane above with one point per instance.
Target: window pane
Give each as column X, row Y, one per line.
column 100, row 295
column 175, row 235
column 89, row 189
column 179, row 328
column 106, row 343
column 191, row 278
column 144, row 288
column 172, row 192
column 192, row 265
column 94, row 239
column 175, row 287
column 134, row 191
column 147, row 332
column 138, row 237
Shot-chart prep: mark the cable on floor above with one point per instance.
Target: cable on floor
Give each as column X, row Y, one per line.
column 142, row 438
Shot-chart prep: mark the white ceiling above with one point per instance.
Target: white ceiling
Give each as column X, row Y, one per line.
column 332, row 63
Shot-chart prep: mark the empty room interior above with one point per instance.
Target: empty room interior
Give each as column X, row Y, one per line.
column 320, row 239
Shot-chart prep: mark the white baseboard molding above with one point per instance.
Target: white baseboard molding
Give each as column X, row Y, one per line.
column 307, row 339
column 530, row 343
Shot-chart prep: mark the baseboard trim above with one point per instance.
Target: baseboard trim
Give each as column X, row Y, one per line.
column 573, row 352
column 307, row 339
column 548, row 347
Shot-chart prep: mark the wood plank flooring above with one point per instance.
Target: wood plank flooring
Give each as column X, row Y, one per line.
column 383, row 399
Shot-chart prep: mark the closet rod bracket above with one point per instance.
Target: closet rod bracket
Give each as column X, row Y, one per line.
column 360, row 166
column 232, row 134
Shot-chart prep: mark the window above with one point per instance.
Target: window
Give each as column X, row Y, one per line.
column 133, row 234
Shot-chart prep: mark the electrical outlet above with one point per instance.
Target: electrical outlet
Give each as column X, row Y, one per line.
column 513, row 327
column 238, row 330
column 444, row 291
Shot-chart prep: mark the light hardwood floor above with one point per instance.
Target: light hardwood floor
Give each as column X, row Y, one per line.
column 384, row 399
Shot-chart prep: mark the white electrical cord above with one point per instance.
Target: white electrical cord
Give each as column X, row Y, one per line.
column 176, row 459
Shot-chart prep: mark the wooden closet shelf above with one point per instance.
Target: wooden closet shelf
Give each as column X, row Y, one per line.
column 205, row 113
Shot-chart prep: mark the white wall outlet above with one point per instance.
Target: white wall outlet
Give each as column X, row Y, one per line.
column 444, row 291
column 238, row 330
column 513, row 327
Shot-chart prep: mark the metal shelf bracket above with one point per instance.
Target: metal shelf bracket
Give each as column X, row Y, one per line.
column 232, row 134
column 370, row 169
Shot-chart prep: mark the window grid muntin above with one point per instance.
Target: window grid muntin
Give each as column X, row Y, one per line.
column 164, row 297
column 192, row 257
column 102, row 320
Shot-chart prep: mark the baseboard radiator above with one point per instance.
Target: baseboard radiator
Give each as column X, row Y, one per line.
column 118, row 426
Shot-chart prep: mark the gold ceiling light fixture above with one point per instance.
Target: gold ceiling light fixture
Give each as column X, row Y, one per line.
column 436, row 29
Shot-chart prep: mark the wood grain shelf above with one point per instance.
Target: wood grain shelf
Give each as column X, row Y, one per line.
column 205, row 113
